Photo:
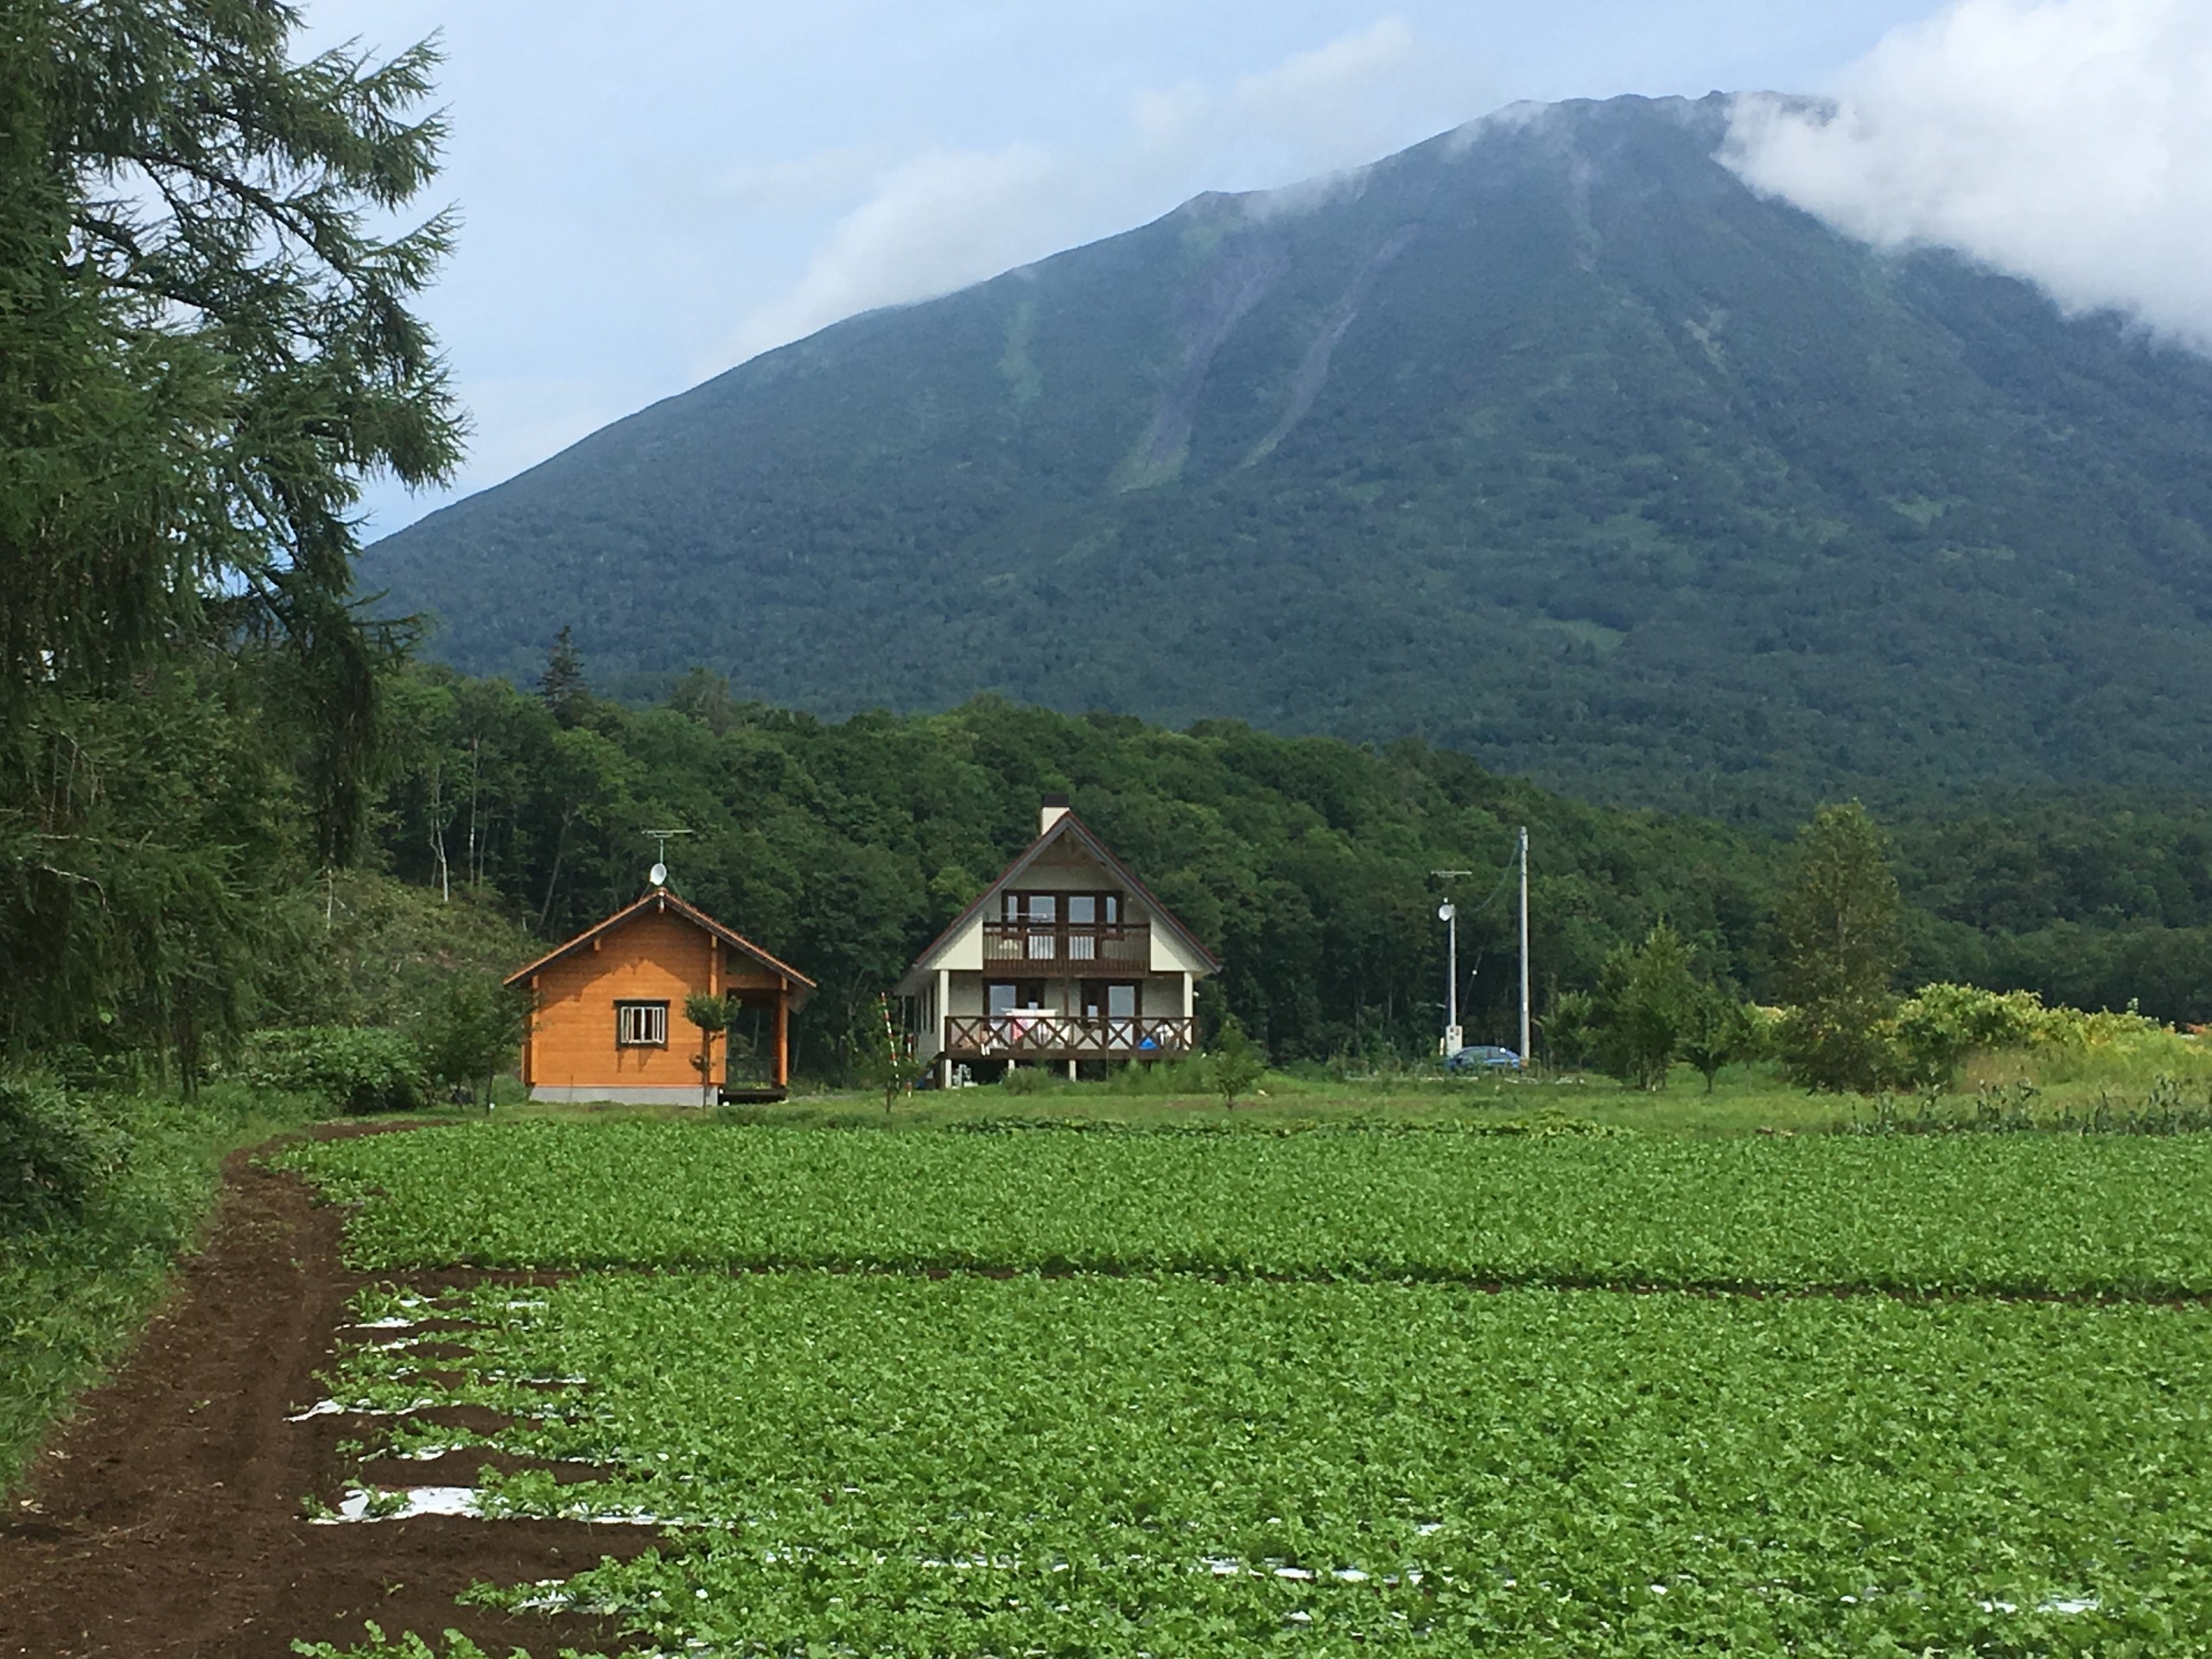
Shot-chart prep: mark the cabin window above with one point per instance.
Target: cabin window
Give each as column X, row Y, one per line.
column 1005, row 996
column 1106, row 999
column 641, row 1025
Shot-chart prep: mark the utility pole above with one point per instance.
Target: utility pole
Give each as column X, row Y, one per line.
column 1524, row 947
column 1448, row 913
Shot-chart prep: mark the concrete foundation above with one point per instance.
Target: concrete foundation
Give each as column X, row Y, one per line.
column 578, row 1095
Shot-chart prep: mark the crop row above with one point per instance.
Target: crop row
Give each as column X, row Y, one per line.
column 1996, row 1214
column 890, row 1464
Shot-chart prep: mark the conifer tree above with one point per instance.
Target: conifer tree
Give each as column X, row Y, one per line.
column 204, row 348
column 562, row 685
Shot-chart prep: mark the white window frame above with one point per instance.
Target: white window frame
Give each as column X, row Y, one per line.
column 640, row 1024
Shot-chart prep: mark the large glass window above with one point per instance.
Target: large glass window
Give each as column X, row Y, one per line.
column 1007, row 997
column 1083, row 909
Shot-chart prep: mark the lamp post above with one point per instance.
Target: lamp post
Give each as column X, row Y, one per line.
column 1448, row 913
column 1524, row 946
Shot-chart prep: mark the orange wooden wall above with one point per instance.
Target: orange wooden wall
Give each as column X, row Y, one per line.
column 653, row 957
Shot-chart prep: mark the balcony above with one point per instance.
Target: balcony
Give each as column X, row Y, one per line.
column 1121, row 945
column 1034, row 1034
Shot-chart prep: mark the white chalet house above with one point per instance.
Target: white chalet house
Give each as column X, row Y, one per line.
column 1065, row 958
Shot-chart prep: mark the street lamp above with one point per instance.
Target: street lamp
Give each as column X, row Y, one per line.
column 1448, row 913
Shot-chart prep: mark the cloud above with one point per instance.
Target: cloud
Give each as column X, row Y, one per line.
column 802, row 183
column 948, row 217
column 2068, row 141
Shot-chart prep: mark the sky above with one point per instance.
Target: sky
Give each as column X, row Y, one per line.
column 652, row 193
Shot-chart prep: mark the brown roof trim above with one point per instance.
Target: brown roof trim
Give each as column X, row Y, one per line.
column 662, row 899
column 1068, row 824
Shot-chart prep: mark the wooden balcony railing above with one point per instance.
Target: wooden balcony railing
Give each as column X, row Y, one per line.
column 1033, row 1033
column 1126, row 944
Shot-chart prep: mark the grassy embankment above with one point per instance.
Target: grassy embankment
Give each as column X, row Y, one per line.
column 76, row 1289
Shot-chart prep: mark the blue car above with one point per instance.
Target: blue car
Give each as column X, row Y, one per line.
column 1482, row 1057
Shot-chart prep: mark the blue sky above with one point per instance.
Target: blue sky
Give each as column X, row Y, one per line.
column 652, row 191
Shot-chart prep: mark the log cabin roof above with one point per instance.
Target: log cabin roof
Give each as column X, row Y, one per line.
column 1067, row 824
column 661, row 901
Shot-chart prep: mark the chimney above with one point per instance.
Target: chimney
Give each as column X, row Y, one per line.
column 1056, row 808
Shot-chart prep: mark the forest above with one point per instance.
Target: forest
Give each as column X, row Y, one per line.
column 1306, row 863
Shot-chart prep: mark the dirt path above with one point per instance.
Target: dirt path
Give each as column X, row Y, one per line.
column 165, row 1520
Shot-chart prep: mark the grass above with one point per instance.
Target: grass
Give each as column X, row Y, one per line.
column 73, row 1297
column 1747, row 1099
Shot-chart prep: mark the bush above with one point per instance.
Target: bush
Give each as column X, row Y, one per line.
column 472, row 1032
column 1238, row 1063
column 1026, row 1080
column 351, row 1069
column 1839, row 1045
column 1935, row 1030
column 54, row 1156
column 1646, row 999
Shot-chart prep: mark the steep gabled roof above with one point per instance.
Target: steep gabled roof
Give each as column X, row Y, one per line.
column 1067, row 824
column 660, row 900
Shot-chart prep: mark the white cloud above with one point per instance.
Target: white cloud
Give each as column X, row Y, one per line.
column 2068, row 142
column 803, row 183
column 950, row 217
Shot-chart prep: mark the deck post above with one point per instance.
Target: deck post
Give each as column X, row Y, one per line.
column 943, row 1011
column 783, row 1033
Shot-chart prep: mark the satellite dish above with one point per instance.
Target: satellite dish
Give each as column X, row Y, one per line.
column 658, row 876
column 1445, row 911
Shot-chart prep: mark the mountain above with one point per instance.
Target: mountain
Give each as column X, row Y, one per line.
column 1547, row 440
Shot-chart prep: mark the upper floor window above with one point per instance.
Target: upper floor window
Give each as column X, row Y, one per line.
column 1048, row 909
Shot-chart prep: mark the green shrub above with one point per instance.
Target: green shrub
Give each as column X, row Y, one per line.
column 352, row 1069
column 1027, row 1080
column 54, row 1155
column 1933, row 1034
column 1187, row 1075
column 1647, row 1000
column 1236, row 1064
column 1935, row 1030
column 473, row 1027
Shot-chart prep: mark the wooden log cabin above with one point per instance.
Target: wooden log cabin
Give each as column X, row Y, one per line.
column 606, row 1011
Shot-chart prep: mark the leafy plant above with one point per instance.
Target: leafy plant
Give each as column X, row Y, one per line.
column 350, row 1069
column 883, row 1054
column 2118, row 1215
column 970, row 1465
column 54, row 1156
column 1236, row 1064
column 1720, row 1030
column 1569, row 1030
column 1646, row 999
column 711, row 1016
column 471, row 1032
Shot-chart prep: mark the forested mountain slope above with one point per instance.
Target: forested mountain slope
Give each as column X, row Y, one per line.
column 1547, row 440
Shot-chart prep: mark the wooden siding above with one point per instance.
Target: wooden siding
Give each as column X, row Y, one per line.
column 652, row 958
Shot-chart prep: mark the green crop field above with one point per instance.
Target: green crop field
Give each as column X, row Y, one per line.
column 1984, row 1213
column 1214, row 1394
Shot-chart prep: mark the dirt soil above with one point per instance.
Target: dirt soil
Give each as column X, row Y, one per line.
column 165, row 1519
